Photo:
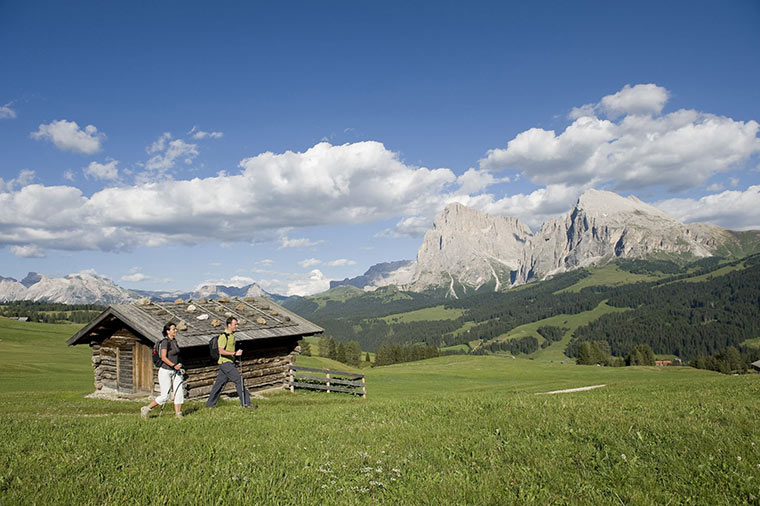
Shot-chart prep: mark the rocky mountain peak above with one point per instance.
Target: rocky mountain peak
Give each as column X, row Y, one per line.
column 613, row 208
column 471, row 246
column 31, row 279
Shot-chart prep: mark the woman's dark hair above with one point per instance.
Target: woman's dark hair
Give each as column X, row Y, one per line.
column 167, row 327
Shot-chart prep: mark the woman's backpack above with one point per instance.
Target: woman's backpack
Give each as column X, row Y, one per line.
column 157, row 353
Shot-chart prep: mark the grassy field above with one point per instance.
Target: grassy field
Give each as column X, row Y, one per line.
column 556, row 350
column 434, row 313
column 451, row 430
column 608, row 275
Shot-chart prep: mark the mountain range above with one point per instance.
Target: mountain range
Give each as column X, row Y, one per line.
column 468, row 251
column 87, row 288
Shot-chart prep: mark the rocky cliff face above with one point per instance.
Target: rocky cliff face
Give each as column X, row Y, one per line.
column 10, row 289
column 603, row 226
column 468, row 250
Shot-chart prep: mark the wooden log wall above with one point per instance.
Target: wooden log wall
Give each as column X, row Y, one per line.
column 112, row 362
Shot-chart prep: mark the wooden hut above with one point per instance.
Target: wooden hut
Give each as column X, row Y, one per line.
column 122, row 339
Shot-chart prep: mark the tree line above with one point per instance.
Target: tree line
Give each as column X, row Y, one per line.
column 388, row 354
column 51, row 312
column 682, row 318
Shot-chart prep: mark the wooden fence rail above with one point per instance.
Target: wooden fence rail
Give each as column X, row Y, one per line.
column 332, row 381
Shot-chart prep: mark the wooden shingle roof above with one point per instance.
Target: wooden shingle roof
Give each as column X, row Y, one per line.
column 197, row 321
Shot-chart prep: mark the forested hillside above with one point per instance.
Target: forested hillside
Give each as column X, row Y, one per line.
column 680, row 317
column 699, row 308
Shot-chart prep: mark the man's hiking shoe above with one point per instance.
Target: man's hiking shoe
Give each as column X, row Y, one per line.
column 144, row 412
column 251, row 406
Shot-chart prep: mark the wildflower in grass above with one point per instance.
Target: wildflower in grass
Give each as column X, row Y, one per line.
column 622, row 456
column 739, row 458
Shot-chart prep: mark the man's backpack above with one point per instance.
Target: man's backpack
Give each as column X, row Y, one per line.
column 157, row 353
column 213, row 346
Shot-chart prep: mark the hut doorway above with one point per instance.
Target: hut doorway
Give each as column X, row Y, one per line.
column 142, row 368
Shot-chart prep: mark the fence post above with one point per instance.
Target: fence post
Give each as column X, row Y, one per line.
column 292, row 379
column 364, row 388
column 328, row 382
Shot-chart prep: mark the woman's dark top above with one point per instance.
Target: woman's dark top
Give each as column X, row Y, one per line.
column 172, row 352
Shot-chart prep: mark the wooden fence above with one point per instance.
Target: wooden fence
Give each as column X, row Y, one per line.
column 332, row 381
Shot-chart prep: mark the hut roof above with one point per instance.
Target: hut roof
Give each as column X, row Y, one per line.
column 258, row 318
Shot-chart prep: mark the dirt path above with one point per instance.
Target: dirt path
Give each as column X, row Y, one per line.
column 570, row 390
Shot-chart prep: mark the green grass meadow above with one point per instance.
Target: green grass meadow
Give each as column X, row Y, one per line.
column 451, row 430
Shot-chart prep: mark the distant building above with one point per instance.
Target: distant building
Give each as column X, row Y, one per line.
column 663, row 362
column 756, row 365
column 122, row 339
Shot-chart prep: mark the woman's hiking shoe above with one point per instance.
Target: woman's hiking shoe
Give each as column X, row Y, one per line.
column 144, row 412
column 179, row 415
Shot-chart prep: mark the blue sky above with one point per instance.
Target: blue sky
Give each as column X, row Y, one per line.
column 165, row 144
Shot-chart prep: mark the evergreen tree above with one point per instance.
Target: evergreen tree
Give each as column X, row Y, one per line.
column 353, row 353
column 340, row 353
column 584, row 354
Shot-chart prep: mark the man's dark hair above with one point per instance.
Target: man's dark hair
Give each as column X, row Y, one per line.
column 230, row 320
column 167, row 327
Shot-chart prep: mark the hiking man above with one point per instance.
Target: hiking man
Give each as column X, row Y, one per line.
column 227, row 369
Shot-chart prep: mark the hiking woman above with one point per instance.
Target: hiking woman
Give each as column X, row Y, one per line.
column 169, row 377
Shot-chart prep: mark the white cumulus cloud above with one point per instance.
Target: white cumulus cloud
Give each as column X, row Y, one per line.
column 6, row 112
column 135, row 277
column 27, row 251
column 341, row 262
column 325, row 185
column 677, row 151
column 200, row 134
column 732, row 209
column 314, row 282
column 24, row 177
column 166, row 152
column 106, row 170
column 67, row 135
column 309, row 262
column 474, row 180
column 639, row 99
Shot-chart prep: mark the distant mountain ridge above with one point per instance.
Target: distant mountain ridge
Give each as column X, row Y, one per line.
column 86, row 288
column 468, row 250
column 379, row 274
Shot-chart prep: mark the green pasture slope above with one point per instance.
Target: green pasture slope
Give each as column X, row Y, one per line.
column 451, row 430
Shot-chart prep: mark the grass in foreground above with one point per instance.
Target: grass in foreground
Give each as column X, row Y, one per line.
column 452, row 430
